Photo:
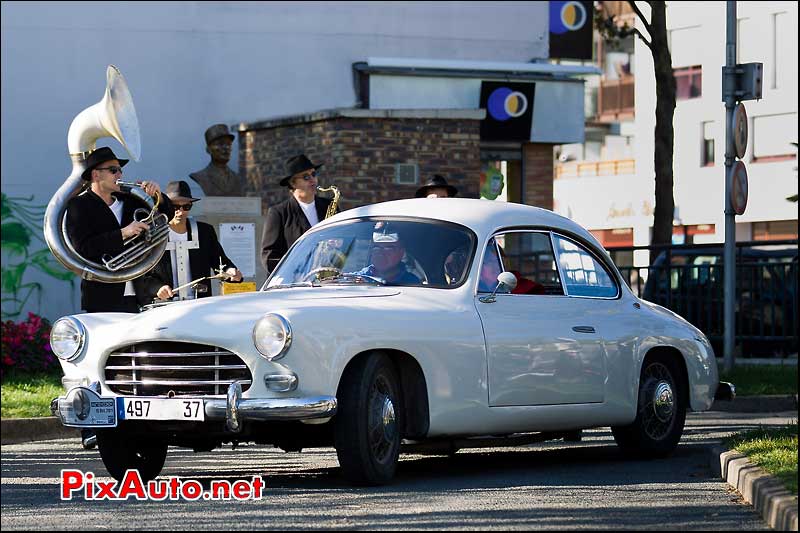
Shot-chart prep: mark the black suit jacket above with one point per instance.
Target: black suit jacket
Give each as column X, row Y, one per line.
column 202, row 261
column 94, row 231
column 285, row 223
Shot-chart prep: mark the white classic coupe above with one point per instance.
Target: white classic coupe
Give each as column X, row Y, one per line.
column 438, row 323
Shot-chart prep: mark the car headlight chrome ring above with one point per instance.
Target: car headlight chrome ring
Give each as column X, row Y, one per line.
column 67, row 338
column 272, row 336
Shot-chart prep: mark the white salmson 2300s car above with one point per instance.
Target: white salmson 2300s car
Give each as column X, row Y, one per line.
column 410, row 322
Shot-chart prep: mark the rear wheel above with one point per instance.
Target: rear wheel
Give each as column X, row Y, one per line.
column 661, row 411
column 368, row 421
column 122, row 451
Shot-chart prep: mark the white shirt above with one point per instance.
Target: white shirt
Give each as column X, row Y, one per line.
column 116, row 208
column 311, row 211
column 174, row 236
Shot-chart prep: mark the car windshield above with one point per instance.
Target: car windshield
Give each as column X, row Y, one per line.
column 380, row 251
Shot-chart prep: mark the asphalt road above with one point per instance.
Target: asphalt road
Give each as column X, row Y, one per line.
column 557, row 485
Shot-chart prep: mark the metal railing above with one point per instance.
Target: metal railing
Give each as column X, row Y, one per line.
column 688, row 279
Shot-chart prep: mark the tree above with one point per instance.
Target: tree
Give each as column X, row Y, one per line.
column 656, row 29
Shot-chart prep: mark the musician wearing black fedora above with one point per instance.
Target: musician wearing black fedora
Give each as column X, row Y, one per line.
column 436, row 187
column 287, row 221
column 205, row 253
column 98, row 221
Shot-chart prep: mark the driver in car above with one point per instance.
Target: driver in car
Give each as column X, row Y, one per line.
column 386, row 255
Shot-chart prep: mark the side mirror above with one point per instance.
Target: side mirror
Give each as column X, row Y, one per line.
column 504, row 279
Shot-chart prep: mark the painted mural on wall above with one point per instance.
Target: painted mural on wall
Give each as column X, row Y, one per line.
column 24, row 249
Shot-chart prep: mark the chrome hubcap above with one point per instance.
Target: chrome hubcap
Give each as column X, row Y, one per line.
column 389, row 425
column 663, row 401
column 382, row 421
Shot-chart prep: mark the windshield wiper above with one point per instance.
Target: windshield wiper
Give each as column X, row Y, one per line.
column 354, row 278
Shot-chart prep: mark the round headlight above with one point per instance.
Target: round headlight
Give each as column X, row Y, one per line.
column 67, row 337
column 272, row 336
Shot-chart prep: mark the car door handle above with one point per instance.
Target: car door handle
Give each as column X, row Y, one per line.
column 583, row 329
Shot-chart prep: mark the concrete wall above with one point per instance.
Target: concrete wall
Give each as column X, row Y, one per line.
column 192, row 64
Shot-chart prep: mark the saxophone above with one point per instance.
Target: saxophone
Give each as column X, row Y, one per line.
column 334, row 202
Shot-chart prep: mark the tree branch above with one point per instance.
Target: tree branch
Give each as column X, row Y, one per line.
column 641, row 17
column 647, row 43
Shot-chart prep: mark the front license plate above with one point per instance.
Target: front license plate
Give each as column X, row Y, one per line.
column 161, row 409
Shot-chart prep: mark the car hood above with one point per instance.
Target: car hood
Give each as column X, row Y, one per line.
column 232, row 309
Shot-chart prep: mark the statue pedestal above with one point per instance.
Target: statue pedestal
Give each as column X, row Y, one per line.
column 239, row 224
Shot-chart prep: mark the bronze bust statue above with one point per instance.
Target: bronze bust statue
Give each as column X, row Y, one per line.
column 217, row 179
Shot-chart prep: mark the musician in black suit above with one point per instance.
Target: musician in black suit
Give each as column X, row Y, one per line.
column 99, row 220
column 288, row 220
column 203, row 260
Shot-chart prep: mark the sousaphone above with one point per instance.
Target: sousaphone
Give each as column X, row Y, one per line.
column 113, row 116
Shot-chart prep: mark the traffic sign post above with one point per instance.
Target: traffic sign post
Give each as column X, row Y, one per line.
column 739, row 82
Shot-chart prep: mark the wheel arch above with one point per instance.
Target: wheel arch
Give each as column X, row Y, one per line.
column 413, row 385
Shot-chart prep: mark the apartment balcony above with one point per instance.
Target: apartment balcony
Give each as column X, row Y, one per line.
column 576, row 169
column 615, row 100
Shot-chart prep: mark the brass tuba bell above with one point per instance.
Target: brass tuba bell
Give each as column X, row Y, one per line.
column 113, row 116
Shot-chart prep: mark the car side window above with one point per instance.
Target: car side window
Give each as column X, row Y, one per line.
column 529, row 256
column 583, row 274
column 490, row 268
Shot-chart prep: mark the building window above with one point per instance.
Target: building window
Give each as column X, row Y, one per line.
column 773, row 136
column 707, row 149
column 774, row 230
column 688, row 82
column 780, row 56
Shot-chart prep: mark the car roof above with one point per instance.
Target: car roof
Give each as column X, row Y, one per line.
column 482, row 216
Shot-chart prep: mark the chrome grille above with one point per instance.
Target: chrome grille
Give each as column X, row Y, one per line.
column 165, row 368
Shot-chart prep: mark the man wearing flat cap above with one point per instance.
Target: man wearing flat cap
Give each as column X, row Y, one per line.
column 436, row 187
column 205, row 253
column 217, row 179
column 99, row 220
column 288, row 220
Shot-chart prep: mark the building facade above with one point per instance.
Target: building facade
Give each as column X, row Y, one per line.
column 611, row 191
column 285, row 76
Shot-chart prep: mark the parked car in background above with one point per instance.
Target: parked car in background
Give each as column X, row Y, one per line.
column 389, row 324
column 690, row 281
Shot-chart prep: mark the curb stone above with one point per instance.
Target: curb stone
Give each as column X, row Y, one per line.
column 757, row 404
column 776, row 505
column 18, row 430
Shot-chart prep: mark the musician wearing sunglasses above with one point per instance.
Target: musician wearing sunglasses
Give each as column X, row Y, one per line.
column 98, row 221
column 288, row 220
column 204, row 258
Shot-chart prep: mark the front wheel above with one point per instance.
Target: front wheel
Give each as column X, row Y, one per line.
column 368, row 421
column 661, row 411
column 121, row 451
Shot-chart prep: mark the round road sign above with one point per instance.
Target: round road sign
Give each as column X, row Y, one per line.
column 740, row 130
column 738, row 187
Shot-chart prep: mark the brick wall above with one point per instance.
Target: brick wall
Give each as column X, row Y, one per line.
column 360, row 153
column 537, row 168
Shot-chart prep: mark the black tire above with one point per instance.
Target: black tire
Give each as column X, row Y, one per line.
column 368, row 421
column 121, row 451
column 657, row 428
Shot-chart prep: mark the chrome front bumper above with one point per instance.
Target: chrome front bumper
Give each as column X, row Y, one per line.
column 233, row 409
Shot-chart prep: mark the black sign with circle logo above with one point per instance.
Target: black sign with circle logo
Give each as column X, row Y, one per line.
column 509, row 111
